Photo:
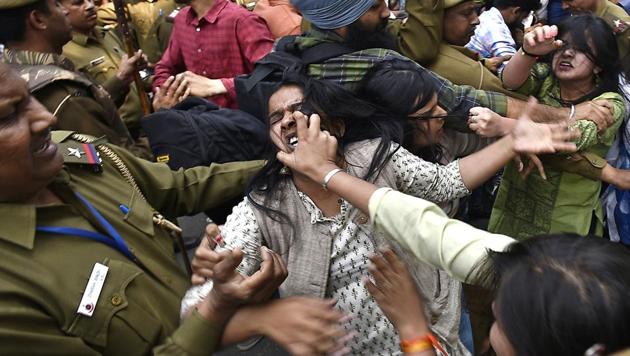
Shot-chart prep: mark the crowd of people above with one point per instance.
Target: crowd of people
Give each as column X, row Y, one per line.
column 418, row 177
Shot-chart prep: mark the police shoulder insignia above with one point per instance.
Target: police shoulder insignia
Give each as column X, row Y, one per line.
column 81, row 154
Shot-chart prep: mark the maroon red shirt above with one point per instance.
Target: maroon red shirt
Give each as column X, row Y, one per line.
column 221, row 45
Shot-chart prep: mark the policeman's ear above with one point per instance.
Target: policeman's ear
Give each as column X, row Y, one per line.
column 38, row 20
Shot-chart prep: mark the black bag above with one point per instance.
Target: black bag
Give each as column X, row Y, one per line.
column 197, row 132
column 253, row 90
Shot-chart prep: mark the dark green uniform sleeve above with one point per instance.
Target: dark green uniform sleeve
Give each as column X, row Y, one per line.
column 117, row 89
column 196, row 336
column 420, row 36
column 193, row 190
column 77, row 111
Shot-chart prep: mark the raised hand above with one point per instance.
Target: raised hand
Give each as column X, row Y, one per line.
column 541, row 40
column 530, row 137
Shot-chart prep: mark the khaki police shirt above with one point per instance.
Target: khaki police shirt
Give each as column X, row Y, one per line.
column 44, row 276
column 419, row 36
column 460, row 66
column 99, row 55
column 144, row 16
column 619, row 20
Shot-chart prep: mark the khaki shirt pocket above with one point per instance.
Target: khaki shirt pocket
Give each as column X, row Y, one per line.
column 100, row 69
column 117, row 322
column 140, row 214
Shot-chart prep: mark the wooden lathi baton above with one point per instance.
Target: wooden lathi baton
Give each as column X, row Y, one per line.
column 123, row 25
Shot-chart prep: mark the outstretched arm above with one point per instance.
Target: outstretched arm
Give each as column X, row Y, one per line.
column 417, row 224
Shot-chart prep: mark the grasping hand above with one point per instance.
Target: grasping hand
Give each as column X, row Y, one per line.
column 493, row 63
column 201, row 86
column 395, row 292
column 205, row 257
column 129, row 66
column 485, row 122
column 231, row 289
column 172, row 92
column 305, row 325
column 315, row 149
column 598, row 111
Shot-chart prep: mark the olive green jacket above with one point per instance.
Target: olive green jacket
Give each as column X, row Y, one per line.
column 462, row 66
column 99, row 56
column 79, row 104
column 44, row 275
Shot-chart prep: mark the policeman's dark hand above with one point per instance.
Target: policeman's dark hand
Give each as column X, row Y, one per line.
column 205, row 257
column 172, row 92
column 231, row 289
column 493, row 63
column 130, row 65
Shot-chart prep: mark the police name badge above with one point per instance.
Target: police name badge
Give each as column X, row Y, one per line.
column 93, row 290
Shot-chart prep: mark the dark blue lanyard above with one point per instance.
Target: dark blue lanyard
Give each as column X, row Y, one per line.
column 114, row 239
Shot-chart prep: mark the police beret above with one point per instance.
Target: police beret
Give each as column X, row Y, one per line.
column 12, row 4
column 451, row 3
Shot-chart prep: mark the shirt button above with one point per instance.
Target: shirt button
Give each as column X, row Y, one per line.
column 204, row 72
column 199, row 50
column 198, row 29
column 116, row 300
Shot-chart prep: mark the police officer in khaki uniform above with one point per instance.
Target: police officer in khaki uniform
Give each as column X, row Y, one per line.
column 145, row 15
column 34, row 32
column 99, row 53
column 86, row 263
column 457, row 63
column 614, row 15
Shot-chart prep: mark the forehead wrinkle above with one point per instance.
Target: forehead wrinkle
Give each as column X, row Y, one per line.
column 286, row 107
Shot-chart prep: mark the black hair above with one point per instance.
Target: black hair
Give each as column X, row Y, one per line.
column 559, row 295
column 13, row 21
column 362, row 121
column 596, row 39
column 400, row 88
column 523, row 5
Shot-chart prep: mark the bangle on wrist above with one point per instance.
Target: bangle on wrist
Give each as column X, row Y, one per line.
column 572, row 112
column 525, row 53
column 329, row 176
column 422, row 343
